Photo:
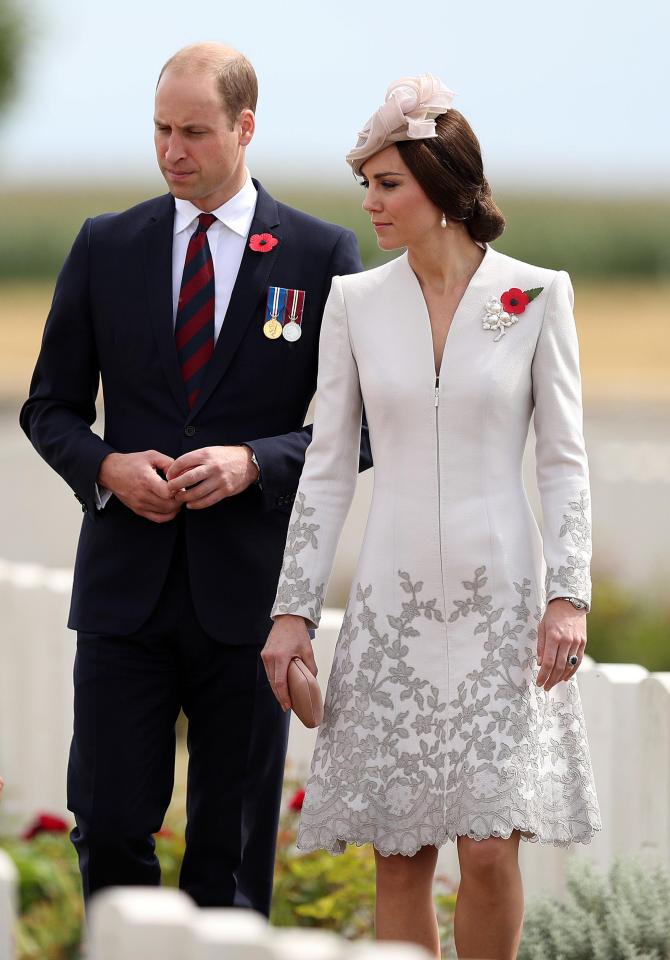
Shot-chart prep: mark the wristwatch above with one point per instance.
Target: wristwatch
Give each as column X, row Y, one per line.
column 575, row 601
column 255, row 462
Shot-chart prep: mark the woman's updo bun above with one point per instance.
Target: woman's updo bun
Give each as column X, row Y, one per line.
column 486, row 221
column 449, row 170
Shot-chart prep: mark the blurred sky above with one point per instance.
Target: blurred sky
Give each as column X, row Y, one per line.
column 562, row 95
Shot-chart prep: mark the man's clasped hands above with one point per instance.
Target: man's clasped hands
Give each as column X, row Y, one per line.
column 157, row 486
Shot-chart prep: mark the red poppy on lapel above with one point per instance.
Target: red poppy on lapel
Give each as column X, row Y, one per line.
column 515, row 300
column 262, row 242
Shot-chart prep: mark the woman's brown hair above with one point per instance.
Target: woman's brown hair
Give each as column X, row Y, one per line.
column 449, row 170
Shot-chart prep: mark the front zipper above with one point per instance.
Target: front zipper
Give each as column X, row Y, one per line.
column 439, row 493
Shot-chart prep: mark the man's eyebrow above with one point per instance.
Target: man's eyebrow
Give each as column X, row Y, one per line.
column 187, row 126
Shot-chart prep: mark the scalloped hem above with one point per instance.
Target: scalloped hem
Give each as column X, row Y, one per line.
column 339, row 843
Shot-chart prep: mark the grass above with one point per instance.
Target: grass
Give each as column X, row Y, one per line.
column 623, row 329
column 616, row 249
column 613, row 238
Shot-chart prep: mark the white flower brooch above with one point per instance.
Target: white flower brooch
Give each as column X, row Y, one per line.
column 502, row 312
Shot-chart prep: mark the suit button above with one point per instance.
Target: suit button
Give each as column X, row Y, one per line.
column 190, row 430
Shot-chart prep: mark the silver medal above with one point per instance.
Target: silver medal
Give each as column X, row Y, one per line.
column 292, row 331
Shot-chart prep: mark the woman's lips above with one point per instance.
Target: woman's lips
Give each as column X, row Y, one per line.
column 380, row 226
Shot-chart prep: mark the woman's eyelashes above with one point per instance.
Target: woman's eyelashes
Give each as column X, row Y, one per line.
column 386, row 184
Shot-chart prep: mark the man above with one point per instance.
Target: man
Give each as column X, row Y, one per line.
column 200, row 311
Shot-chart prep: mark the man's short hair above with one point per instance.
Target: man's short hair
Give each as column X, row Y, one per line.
column 235, row 76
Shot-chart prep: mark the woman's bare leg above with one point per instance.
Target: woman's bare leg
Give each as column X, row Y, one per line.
column 404, row 908
column 489, row 906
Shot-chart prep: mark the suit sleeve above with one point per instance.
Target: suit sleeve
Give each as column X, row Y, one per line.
column 281, row 458
column 329, row 477
column 58, row 414
column 562, row 466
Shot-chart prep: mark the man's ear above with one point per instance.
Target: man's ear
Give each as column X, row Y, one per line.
column 247, row 122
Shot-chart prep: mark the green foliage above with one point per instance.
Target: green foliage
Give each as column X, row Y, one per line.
column 170, row 848
column 619, row 238
column 627, row 628
column 319, row 890
column 311, row 890
column 625, row 916
column 592, row 238
column 338, row 892
column 11, row 43
column 50, row 904
column 51, row 910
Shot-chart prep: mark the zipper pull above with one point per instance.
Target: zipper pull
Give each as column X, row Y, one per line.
column 437, row 391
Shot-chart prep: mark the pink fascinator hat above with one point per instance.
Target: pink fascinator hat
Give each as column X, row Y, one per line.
column 408, row 113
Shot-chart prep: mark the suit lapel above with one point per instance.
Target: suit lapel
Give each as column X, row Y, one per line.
column 157, row 237
column 250, row 286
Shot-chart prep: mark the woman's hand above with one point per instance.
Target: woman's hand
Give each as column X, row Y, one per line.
column 287, row 639
column 562, row 633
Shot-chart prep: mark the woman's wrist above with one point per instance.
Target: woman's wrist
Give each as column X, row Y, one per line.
column 577, row 604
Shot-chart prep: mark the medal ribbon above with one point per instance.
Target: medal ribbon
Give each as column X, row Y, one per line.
column 295, row 308
column 276, row 303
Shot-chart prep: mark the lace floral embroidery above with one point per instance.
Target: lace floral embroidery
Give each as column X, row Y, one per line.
column 295, row 593
column 375, row 727
column 529, row 749
column 518, row 757
column 573, row 577
column 496, row 672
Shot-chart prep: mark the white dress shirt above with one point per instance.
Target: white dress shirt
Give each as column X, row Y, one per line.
column 227, row 238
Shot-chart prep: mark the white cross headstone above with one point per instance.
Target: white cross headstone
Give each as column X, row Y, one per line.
column 140, row 923
column 231, row 933
column 8, row 885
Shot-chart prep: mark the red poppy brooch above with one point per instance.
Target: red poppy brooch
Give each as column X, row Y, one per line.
column 502, row 312
column 262, row 242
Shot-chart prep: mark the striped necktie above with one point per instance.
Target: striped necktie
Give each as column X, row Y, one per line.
column 194, row 326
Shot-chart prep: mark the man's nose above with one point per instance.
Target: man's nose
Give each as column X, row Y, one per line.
column 174, row 150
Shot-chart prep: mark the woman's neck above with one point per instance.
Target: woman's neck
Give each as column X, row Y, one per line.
column 446, row 260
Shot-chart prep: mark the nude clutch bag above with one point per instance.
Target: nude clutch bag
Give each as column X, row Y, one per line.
column 305, row 693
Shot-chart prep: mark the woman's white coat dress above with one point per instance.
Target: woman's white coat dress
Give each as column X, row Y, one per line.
column 434, row 726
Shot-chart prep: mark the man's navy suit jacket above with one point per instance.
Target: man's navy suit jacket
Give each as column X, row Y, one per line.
column 112, row 319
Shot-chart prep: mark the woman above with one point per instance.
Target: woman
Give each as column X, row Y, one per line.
column 452, row 709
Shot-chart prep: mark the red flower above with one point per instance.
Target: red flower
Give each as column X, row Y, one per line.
column 45, row 823
column 515, row 300
column 262, row 242
column 296, row 801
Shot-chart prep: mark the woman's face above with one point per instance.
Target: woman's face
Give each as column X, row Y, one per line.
column 401, row 213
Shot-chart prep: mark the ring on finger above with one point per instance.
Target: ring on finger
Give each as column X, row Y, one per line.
column 573, row 660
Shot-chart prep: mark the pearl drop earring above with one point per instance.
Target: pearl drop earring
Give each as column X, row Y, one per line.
column 443, row 222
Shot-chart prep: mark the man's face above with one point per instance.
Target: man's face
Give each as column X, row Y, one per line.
column 200, row 151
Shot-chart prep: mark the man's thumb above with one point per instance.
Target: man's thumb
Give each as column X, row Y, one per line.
column 161, row 461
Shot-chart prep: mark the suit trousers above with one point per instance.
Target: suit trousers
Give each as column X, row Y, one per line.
column 128, row 691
